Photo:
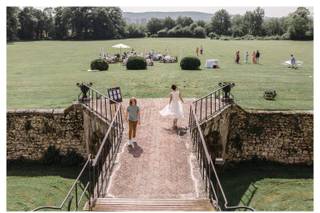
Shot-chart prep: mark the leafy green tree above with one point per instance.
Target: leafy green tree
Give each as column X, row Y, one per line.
column 299, row 24
column 12, row 23
column 28, row 24
column 154, row 25
column 273, row 26
column 168, row 22
column 220, row 23
column 238, row 26
column 135, row 31
column 184, row 21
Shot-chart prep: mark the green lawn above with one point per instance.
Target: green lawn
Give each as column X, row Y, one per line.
column 43, row 74
column 269, row 187
column 30, row 186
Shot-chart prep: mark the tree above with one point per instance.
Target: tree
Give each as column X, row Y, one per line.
column 28, row 23
column 273, row 26
column 12, row 23
column 199, row 32
column 201, row 23
column 184, row 21
column 237, row 26
column 253, row 22
column 220, row 23
column 154, row 25
column 299, row 24
column 168, row 22
column 134, row 31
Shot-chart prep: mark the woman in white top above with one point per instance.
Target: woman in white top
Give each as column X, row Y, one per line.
column 174, row 108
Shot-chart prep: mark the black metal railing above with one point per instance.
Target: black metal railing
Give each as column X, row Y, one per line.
column 207, row 106
column 97, row 102
column 201, row 110
column 93, row 179
column 207, row 167
column 76, row 194
column 103, row 162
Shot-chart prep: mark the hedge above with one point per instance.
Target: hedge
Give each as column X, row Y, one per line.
column 136, row 63
column 190, row 63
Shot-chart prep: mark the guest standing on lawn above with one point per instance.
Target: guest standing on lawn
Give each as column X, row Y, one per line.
column 133, row 117
column 197, row 51
column 246, row 57
column 257, row 56
column 238, row 57
column 174, row 108
column 201, row 50
column 254, row 61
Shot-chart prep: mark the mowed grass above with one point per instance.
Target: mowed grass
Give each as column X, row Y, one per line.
column 43, row 74
column 31, row 186
column 269, row 187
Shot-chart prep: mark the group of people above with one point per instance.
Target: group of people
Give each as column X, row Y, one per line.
column 173, row 109
column 255, row 56
column 150, row 57
column 199, row 50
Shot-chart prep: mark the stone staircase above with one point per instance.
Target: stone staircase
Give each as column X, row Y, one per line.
column 128, row 204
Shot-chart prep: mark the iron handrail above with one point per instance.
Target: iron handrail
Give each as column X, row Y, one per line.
column 69, row 196
column 210, row 162
column 217, row 88
column 94, row 162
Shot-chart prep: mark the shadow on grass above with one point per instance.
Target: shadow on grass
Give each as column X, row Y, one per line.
column 238, row 180
column 34, row 169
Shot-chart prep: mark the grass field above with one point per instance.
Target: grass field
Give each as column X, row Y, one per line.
column 30, row 186
column 43, row 74
column 269, row 187
column 263, row 187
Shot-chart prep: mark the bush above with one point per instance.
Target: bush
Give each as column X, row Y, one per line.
column 72, row 158
column 190, row 63
column 213, row 35
column 51, row 156
column 99, row 64
column 163, row 32
column 225, row 38
column 136, row 63
column 199, row 32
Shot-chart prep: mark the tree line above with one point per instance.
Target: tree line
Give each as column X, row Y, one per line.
column 93, row 23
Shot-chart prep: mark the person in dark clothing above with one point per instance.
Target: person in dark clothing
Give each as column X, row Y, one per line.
column 238, row 57
column 257, row 56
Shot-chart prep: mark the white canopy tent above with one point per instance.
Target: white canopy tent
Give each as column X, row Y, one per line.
column 121, row 46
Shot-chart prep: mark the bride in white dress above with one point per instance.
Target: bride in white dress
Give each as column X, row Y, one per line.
column 174, row 109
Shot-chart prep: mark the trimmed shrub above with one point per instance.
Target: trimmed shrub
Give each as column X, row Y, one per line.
column 136, row 63
column 190, row 63
column 51, row 156
column 99, row 64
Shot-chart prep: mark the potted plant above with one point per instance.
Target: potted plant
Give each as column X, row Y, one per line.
column 84, row 88
column 226, row 88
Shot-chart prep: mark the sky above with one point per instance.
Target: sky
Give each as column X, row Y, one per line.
column 269, row 11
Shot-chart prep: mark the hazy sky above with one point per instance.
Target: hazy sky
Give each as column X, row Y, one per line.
column 269, row 11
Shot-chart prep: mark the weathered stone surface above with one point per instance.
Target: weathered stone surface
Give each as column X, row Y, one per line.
column 30, row 132
column 281, row 136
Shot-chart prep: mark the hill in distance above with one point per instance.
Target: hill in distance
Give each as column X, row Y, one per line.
column 144, row 17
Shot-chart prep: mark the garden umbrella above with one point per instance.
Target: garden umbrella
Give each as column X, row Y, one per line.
column 121, row 46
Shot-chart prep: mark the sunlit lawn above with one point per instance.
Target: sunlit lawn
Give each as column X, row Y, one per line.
column 44, row 74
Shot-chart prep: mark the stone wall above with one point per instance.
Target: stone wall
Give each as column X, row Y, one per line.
column 31, row 132
column 280, row 136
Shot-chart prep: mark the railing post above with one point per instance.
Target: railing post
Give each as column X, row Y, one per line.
column 76, row 190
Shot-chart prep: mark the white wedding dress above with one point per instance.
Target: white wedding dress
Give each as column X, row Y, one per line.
column 175, row 108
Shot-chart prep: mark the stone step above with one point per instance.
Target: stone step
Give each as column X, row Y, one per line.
column 127, row 204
